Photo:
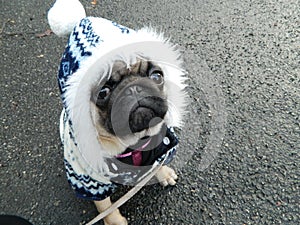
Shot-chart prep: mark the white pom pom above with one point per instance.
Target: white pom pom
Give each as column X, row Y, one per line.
column 64, row 15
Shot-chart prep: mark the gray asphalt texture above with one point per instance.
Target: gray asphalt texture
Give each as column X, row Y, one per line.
column 243, row 59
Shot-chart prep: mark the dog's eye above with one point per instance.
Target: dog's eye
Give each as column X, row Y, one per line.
column 157, row 77
column 104, row 92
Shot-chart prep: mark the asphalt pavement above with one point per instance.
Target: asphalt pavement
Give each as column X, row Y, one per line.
column 239, row 159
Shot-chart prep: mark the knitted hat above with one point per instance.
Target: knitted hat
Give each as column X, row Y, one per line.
column 93, row 46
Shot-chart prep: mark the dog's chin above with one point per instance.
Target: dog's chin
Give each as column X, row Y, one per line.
column 133, row 138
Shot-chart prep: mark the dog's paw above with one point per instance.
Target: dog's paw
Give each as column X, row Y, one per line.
column 115, row 218
column 166, row 176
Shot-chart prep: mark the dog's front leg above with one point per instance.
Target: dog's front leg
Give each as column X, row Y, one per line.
column 166, row 176
column 115, row 218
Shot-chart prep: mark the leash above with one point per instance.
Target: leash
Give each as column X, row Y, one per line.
column 128, row 195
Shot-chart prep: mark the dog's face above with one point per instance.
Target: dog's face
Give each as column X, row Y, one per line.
column 132, row 104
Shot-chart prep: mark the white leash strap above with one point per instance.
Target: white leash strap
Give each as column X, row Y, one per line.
column 127, row 196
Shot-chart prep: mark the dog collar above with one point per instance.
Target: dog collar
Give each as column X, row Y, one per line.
column 136, row 154
column 150, row 150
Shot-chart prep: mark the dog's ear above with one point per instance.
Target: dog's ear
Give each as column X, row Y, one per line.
column 141, row 67
column 119, row 70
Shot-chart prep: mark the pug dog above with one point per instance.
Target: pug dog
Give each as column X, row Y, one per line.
column 123, row 94
column 137, row 93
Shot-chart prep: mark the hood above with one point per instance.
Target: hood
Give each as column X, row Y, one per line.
column 93, row 46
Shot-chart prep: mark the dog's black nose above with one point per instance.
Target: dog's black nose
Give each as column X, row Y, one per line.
column 142, row 119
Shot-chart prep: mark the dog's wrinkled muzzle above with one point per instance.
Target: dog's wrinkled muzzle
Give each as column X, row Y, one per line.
column 137, row 109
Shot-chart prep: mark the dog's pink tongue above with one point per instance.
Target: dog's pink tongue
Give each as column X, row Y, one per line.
column 137, row 158
column 136, row 155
